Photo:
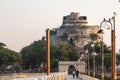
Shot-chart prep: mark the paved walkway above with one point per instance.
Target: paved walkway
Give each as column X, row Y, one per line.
column 70, row 77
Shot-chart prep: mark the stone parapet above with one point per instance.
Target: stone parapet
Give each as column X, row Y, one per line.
column 35, row 76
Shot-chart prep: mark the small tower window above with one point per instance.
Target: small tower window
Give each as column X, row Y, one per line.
column 64, row 18
column 83, row 18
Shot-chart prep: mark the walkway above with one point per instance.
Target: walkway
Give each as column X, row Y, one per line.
column 70, row 77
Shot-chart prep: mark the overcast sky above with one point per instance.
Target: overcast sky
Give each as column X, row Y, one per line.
column 24, row 21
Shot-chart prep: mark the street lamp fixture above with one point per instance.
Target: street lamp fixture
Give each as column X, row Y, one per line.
column 92, row 45
column 108, row 25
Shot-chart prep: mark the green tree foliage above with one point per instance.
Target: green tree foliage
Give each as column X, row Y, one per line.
column 97, row 48
column 8, row 57
column 63, row 53
column 97, row 45
column 35, row 54
column 118, row 59
column 53, row 32
column 98, row 60
column 107, row 60
column 93, row 37
column 2, row 44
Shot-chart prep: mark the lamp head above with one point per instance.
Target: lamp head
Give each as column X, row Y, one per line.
column 86, row 51
column 100, row 32
column 94, row 53
column 92, row 44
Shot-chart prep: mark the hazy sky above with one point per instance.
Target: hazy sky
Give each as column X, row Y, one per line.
column 24, row 21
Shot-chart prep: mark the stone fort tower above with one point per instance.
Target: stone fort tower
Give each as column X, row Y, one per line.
column 74, row 30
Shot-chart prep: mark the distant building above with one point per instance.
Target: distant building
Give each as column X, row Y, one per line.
column 74, row 30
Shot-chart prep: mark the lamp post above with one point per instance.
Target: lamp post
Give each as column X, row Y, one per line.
column 102, row 53
column 88, row 63
column 94, row 54
column 107, row 25
column 100, row 33
column 48, row 51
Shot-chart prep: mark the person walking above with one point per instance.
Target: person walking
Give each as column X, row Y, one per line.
column 77, row 73
column 73, row 74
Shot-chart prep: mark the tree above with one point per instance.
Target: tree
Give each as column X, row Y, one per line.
column 2, row 44
column 94, row 37
column 97, row 48
column 8, row 57
column 118, row 59
column 62, row 53
column 53, row 32
column 98, row 61
column 35, row 54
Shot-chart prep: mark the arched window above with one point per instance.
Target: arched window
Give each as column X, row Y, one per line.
column 71, row 41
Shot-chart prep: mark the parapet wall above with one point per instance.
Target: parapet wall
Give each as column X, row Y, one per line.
column 35, row 76
column 85, row 77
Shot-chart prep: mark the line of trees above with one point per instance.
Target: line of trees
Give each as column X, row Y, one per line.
column 33, row 55
column 8, row 58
